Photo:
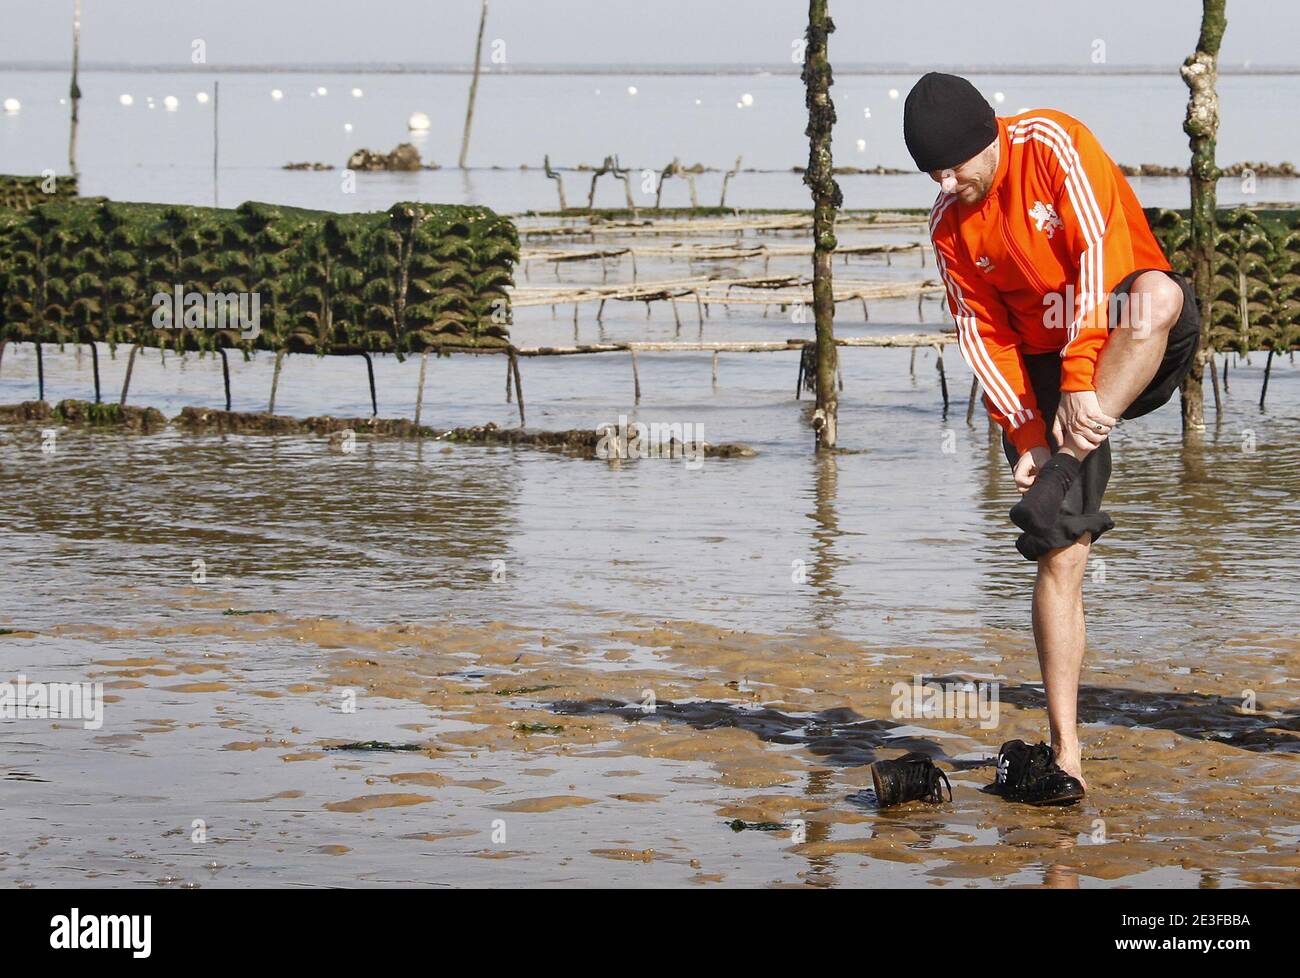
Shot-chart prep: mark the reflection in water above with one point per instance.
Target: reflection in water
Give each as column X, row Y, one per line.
column 826, row 555
column 821, row 868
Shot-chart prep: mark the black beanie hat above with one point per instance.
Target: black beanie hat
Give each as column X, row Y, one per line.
column 946, row 122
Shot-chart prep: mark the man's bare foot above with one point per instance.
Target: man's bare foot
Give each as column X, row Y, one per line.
column 1068, row 758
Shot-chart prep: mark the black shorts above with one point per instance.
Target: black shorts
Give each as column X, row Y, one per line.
column 1081, row 512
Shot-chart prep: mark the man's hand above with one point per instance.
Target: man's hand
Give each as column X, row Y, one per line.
column 1080, row 423
column 1028, row 466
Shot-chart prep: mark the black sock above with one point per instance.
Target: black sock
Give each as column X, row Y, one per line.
column 1039, row 507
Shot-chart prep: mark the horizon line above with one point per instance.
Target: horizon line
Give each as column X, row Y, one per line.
column 560, row 68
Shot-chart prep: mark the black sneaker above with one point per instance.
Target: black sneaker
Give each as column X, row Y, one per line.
column 913, row 777
column 1032, row 776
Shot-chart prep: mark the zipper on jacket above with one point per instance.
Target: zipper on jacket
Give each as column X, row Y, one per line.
column 1024, row 264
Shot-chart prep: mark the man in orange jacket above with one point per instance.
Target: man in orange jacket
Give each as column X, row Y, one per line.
column 1069, row 315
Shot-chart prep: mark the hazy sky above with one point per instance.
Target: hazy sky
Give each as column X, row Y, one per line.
column 703, row 32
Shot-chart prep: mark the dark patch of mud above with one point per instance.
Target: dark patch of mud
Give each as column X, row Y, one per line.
column 584, row 443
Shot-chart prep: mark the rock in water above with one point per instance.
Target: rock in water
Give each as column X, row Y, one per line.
column 404, row 157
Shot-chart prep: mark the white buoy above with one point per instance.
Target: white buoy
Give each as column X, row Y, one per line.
column 347, row 127
column 698, row 102
column 171, row 103
column 126, row 100
column 276, row 94
column 418, row 122
column 357, row 93
column 999, row 97
column 201, row 98
column 747, row 100
column 893, row 93
column 862, row 145
column 322, row 90
column 12, row 105
column 631, row 89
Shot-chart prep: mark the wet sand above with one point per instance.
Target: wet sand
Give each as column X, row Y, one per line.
column 529, row 757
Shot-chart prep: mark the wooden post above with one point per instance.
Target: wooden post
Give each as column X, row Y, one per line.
column 275, row 380
column 1214, row 376
column 126, row 382
column 715, row 368
column 1268, row 366
column 74, row 92
column 519, row 384
column 473, row 85
column 419, row 396
column 827, row 198
column 216, row 87
column 40, row 372
column 1200, row 72
column 970, row 405
column 636, row 378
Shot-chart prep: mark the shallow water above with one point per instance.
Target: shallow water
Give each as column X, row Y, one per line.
column 138, row 153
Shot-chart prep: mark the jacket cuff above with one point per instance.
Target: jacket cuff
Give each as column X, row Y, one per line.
column 1031, row 434
column 1077, row 372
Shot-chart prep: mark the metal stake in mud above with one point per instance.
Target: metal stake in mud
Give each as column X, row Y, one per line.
column 94, row 362
column 374, row 400
column 225, row 373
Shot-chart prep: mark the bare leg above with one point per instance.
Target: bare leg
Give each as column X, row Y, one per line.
column 1060, row 637
column 1134, row 349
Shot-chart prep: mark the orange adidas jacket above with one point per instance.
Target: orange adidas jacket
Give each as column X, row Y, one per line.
column 1030, row 268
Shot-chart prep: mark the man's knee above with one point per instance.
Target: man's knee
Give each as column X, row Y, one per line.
column 1066, row 564
column 1159, row 303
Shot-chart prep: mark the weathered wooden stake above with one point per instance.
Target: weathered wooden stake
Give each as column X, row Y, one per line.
column 827, row 198
column 1200, row 73
column 275, row 380
column 126, row 381
column 419, row 394
column 970, row 405
column 40, row 372
column 1214, row 376
column 473, row 85
column 74, row 92
column 636, row 378
column 519, row 385
column 216, row 87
